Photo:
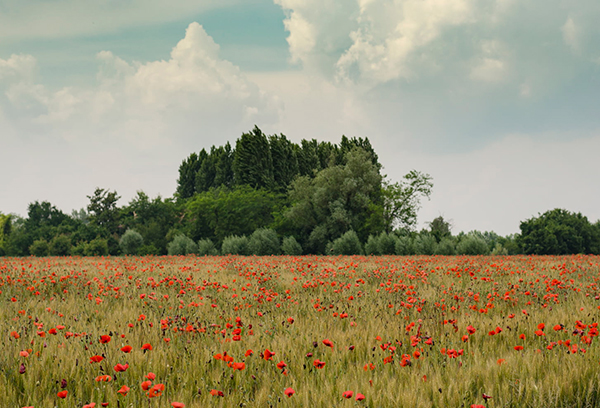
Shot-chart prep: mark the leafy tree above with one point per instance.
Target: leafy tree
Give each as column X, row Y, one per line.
column 131, row 242
column 559, row 232
column 338, row 199
column 103, row 209
column 263, row 241
column 425, row 244
column 382, row 244
column 252, row 162
column 39, row 248
column 96, row 247
column 405, row 245
column 224, row 167
column 446, row 246
column 472, row 243
column 60, row 245
column 440, row 228
column 182, row 245
column 221, row 212
column 5, row 230
column 402, row 200
column 309, row 163
column 188, row 170
column 289, row 246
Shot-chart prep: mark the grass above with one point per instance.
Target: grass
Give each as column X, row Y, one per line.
column 377, row 311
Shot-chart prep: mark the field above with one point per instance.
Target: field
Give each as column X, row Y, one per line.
column 300, row 331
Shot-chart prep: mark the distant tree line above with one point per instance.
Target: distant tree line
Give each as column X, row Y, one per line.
column 268, row 195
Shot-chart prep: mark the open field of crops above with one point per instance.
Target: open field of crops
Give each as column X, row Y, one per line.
column 300, row 331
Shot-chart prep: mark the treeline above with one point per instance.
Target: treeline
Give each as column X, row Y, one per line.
column 268, row 195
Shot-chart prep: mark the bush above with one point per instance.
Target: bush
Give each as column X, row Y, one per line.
column 404, row 245
column 235, row 245
column 425, row 244
column 39, row 248
column 148, row 249
column 445, row 247
column 60, row 245
column 347, row 244
column 182, row 245
column 289, row 246
column 372, row 245
column 386, row 243
column 472, row 245
column 499, row 250
column 263, row 241
column 131, row 242
column 79, row 249
column 96, row 247
column 207, row 247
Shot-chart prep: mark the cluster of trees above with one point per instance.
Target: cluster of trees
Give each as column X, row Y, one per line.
column 269, row 195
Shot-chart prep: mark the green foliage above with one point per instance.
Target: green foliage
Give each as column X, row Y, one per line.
column 425, row 244
column 347, row 244
column 39, row 247
column 472, row 244
column 289, row 246
column 338, row 199
column 186, row 184
column 234, row 245
column 440, row 228
column 5, row 230
column 60, row 245
column 559, row 232
column 103, row 209
column 404, row 245
column 221, row 212
column 285, row 162
column 252, row 162
column 131, row 242
column 182, row 245
column 446, row 246
column 207, row 247
column 264, row 241
column 96, row 247
column 382, row 244
column 401, row 201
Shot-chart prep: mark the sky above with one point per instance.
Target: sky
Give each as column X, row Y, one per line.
column 498, row 100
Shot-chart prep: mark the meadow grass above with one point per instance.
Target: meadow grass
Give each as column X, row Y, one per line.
column 397, row 326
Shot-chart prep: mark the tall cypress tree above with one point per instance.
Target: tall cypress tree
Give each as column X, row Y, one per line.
column 252, row 163
column 308, row 158
column 186, row 184
column 285, row 162
column 224, row 166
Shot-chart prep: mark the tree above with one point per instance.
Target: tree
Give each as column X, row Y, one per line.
column 186, row 184
column 131, row 242
column 103, row 209
column 559, row 232
column 402, row 200
column 285, row 162
column 339, row 198
column 252, row 163
column 440, row 228
column 5, row 229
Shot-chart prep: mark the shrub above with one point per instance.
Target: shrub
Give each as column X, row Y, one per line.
column 404, row 245
column 79, row 249
column 425, row 244
column 472, row 245
column 96, row 247
column 60, row 245
column 499, row 250
column 446, row 246
column 39, row 248
column 148, row 249
column 347, row 244
column 386, row 243
column 235, row 245
column 182, row 245
column 131, row 242
column 207, row 247
column 372, row 245
column 263, row 241
column 289, row 246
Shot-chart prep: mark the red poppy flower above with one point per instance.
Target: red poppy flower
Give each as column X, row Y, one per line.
column 217, row 393
column 124, row 390
column 471, row 329
column 147, row 347
column 177, row 404
column 105, row 338
column 96, row 359
column 319, row 364
column 145, row 385
column 62, row 394
column 328, row 343
column 126, row 349
column 281, row 365
column 289, row 392
column 518, row 348
column 249, row 353
column 267, row 355
column 238, row 366
column 347, row 394
column 151, row 376
column 359, row 396
column 121, row 367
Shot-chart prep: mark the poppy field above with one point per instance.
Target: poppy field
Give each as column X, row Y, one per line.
column 359, row 331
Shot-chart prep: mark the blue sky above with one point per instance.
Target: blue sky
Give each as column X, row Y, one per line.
column 496, row 99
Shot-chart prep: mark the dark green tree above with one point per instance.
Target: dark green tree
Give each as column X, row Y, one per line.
column 188, row 170
column 440, row 228
column 285, row 162
column 252, row 162
column 402, row 200
column 308, row 158
column 559, row 232
column 103, row 210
